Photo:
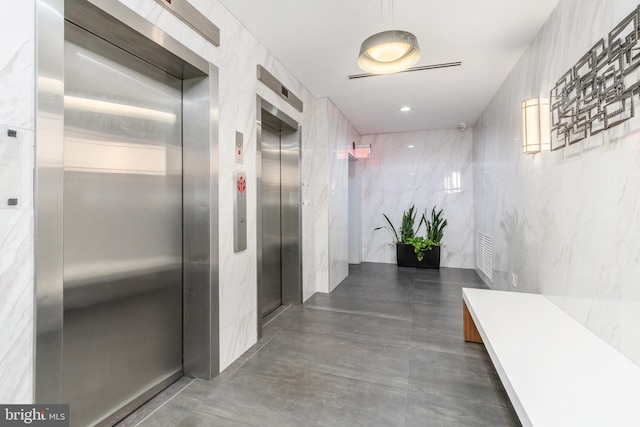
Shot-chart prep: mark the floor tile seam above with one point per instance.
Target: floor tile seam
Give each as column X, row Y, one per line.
column 372, row 339
column 258, row 349
column 220, row 415
column 483, row 376
column 167, row 401
column 366, row 315
column 365, row 287
column 406, row 396
column 452, row 330
column 444, row 311
column 448, row 282
column 417, row 346
column 457, row 306
column 277, row 315
column 434, row 317
column 347, row 298
column 314, row 370
column 334, row 310
column 507, row 405
column 231, row 374
column 405, row 301
column 376, row 283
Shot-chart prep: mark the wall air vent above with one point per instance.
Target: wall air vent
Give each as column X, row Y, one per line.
column 484, row 255
column 408, row 70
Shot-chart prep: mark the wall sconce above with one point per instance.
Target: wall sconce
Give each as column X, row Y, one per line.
column 536, row 125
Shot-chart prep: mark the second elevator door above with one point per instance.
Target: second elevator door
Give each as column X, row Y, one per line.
column 271, row 297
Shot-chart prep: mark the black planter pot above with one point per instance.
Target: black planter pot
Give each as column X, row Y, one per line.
column 407, row 257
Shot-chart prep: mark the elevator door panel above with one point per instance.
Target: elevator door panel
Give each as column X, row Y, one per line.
column 271, row 296
column 122, row 228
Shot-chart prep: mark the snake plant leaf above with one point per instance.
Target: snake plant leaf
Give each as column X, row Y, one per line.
column 392, row 229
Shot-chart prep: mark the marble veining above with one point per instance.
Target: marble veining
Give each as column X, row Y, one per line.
column 330, row 194
column 16, row 276
column 566, row 222
column 17, row 65
column 341, row 136
column 17, row 112
column 429, row 168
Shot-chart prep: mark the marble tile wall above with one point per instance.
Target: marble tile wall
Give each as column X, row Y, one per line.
column 319, row 205
column 567, row 223
column 429, row 168
column 237, row 57
column 334, row 135
column 341, row 136
column 17, row 85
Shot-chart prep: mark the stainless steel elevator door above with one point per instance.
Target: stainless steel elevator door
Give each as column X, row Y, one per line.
column 122, row 229
column 271, row 293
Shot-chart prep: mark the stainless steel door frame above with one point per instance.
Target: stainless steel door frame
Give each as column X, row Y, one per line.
column 291, row 215
column 117, row 23
column 201, row 340
column 48, row 183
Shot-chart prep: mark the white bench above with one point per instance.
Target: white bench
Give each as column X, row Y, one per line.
column 555, row 371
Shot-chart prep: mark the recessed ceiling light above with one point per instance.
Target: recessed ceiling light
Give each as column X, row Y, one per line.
column 410, row 146
column 405, row 109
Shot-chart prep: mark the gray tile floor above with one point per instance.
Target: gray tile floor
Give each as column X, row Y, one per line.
column 384, row 349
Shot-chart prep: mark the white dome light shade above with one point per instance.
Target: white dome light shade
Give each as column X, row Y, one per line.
column 389, row 52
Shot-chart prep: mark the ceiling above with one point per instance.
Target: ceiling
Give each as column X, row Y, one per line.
column 319, row 40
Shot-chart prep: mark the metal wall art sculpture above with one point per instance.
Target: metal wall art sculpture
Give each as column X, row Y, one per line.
column 597, row 93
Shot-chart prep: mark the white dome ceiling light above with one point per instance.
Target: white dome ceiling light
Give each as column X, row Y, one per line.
column 389, row 51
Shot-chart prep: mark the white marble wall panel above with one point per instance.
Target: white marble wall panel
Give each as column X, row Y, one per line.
column 330, row 195
column 17, row 66
column 308, row 187
column 320, row 197
column 16, row 272
column 236, row 58
column 17, row 85
column 341, row 136
column 567, row 223
column 425, row 169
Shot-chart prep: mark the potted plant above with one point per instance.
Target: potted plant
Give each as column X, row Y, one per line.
column 429, row 246
column 418, row 251
column 404, row 249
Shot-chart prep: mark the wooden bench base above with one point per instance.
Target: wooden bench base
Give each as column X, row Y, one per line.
column 471, row 333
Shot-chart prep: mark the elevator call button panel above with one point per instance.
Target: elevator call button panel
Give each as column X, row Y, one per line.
column 240, row 211
column 239, row 148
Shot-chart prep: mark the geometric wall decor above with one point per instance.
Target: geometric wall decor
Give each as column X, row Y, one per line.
column 597, row 93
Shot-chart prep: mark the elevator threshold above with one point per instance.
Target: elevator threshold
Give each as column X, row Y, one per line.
column 274, row 313
column 130, row 415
